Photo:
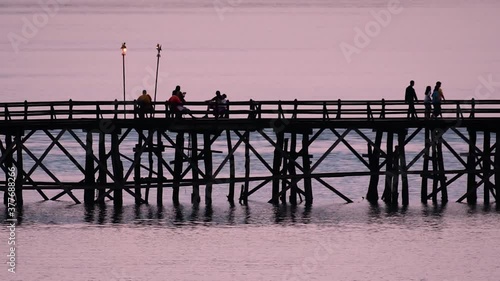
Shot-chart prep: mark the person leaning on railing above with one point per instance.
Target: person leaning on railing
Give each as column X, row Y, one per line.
column 144, row 104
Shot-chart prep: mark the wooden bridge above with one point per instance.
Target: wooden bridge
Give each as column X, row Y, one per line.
column 179, row 151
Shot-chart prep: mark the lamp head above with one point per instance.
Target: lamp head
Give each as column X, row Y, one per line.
column 158, row 47
column 124, row 49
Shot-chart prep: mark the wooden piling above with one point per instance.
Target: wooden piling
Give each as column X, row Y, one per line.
column 425, row 169
column 137, row 168
column 247, row 168
column 208, row 168
column 395, row 176
column 435, row 167
column 284, row 172
column 89, row 192
column 386, row 196
column 232, row 170
column 195, row 195
column 471, row 168
column 291, row 169
column 486, row 166
column 178, row 163
column 441, row 173
column 117, row 170
column 150, row 150
column 306, row 164
column 9, row 161
column 374, row 161
column 159, row 157
column 20, row 169
column 403, row 169
column 277, row 160
column 102, row 179
column 497, row 167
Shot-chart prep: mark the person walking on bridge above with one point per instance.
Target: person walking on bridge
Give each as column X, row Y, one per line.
column 410, row 98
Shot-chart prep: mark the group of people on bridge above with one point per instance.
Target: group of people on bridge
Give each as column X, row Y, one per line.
column 218, row 105
column 432, row 101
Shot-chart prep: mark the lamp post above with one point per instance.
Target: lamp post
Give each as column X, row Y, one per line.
column 124, row 52
column 158, row 48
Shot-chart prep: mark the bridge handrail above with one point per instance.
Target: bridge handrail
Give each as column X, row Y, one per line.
column 320, row 109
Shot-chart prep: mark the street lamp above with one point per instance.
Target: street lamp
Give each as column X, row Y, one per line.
column 124, row 52
column 158, row 48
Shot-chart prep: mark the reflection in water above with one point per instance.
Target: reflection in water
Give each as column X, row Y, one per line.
column 89, row 213
column 101, row 219
column 208, row 213
column 195, row 213
column 117, row 214
column 179, row 214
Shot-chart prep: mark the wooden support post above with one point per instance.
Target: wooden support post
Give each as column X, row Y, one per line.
column 402, row 165
column 284, row 172
column 117, row 170
column 178, row 163
column 159, row 154
column 395, row 177
column 442, row 175
column 389, row 168
column 291, row 169
column 425, row 172
column 435, row 168
column 20, row 169
column 89, row 192
column 137, row 168
column 195, row 196
column 306, row 164
column 374, row 161
column 277, row 160
column 247, row 168
column 150, row 146
column 208, row 168
column 102, row 179
column 471, row 169
column 8, row 165
column 232, row 170
column 497, row 168
column 486, row 167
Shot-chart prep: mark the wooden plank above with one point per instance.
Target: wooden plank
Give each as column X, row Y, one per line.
column 117, row 171
column 486, row 166
column 374, row 160
column 404, row 174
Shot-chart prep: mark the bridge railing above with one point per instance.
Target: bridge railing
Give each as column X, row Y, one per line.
column 322, row 110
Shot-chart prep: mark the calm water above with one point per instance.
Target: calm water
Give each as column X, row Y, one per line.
column 261, row 50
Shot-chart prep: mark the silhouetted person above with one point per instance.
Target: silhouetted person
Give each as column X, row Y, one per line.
column 176, row 103
column 144, row 104
column 427, row 102
column 410, row 98
column 437, row 97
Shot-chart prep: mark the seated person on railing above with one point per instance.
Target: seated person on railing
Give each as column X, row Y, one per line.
column 222, row 106
column 176, row 104
column 218, row 105
column 144, row 104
